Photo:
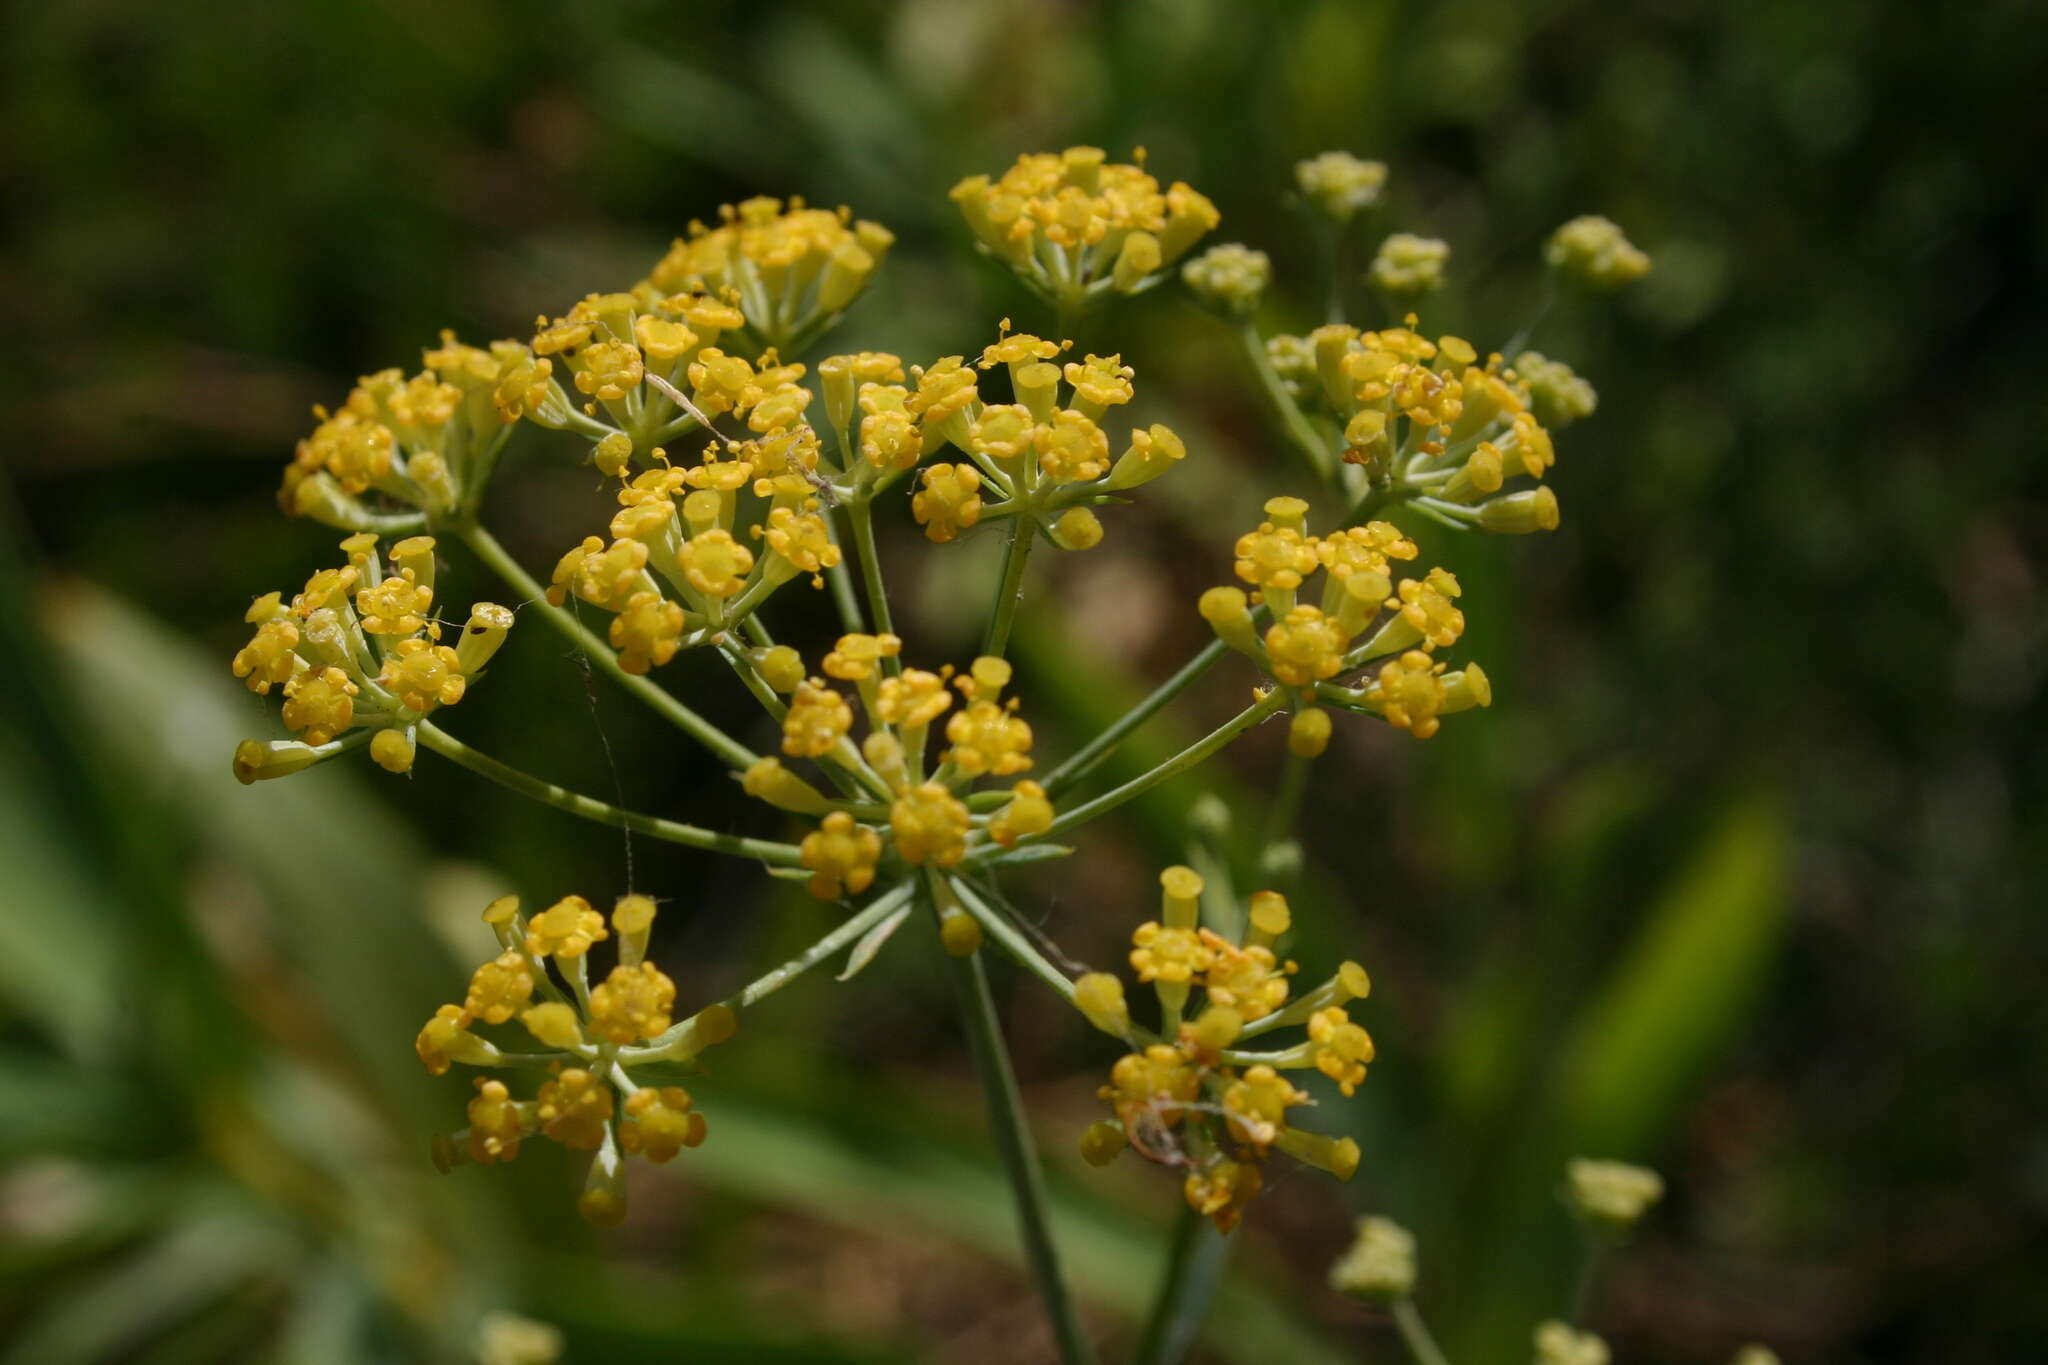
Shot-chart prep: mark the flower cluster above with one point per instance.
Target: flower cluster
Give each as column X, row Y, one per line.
column 357, row 655
column 1188, row 1096
column 592, row 1037
column 1045, row 455
column 1362, row 617
column 918, row 811
column 1074, row 225
column 427, row 443
column 793, row 270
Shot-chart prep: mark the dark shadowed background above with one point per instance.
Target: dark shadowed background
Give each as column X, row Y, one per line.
column 1740, row 877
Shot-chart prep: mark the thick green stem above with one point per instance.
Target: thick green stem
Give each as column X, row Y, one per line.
column 1020, row 1157
column 657, row 698
column 1415, row 1333
column 1023, row 531
column 1179, row 763
column 604, row 813
column 1286, row 411
column 1100, row 747
column 1194, row 1266
column 860, row 515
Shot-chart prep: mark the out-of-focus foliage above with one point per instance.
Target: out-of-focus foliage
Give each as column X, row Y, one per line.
column 1734, row 878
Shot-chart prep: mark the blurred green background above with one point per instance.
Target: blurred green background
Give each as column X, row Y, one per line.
column 1740, row 877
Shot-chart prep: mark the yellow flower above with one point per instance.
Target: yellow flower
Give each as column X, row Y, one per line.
column 269, row 658
column 1230, row 278
column 988, row 739
column 1409, row 692
column 609, row 369
column 1305, row 647
column 499, row 988
column 817, row 719
column 1165, row 953
column 949, row 502
column 1275, row 556
column 841, row 856
column 1424, row 606
column 423, row 676
column 1256, row 1105
column 802, row 539
column 1248, row 980
column 1339, row 1047
column 1156, row 1085
column 1102, row 382
column 1072, row 448
column 632, row 1004
column 857, row 657
column 913, row 698
column 565, row 929
column 1595, row 252
column 1339, row 184
column 1221, row 1190
column 1408, row 266
column 930, row 825
column 574, row 1108
column 659, row 1123
column 319, row 704
column 715, row 564
column 1028, row 812
column 497, row 1123
column 446, row 1039
column 600, row 576
column 647, row 632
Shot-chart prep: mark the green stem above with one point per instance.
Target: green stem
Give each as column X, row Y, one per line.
column 1020, row 1157
column 1289, row 414
column 1097, row 749
column 1194, row 1266
column 604, row 813
column 1023, row 531
column 1286, row 806
column 1179, row 763
column 861, row 516
column 1415, row 1333
column 657, row 698
column 841, row 578
column 998, row 928
column 845, row 936
column 1592, row 1252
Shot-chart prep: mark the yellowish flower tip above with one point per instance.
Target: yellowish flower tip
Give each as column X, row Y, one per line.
column 565, row 930
column 1229, row 279
column 1558, row 1343
column 1102, row 1142
column 949, row 502
column 1338, row 1156
column 1269, row 915
column 930, row 825
column 501, row 911
column 499, row 988
column 1611, row 1194
column 633, row 916
column 1221, row 1190
column 1339, row 185
column 632, row 1004
column 1100, row 998
column 1305, row 647
column 1407, row 266
column 1520, row 514
column 554, row 1025
column 1594, row 252
column 1217, row 1028
column 508, row 1339
column 1379, row 1266
column 393, row 750
column 1353, row 981
column 1169, row 954
column 959, row 932
column 602, row 1208
column 858, row 657
column 1409, row 693
column 1341, row 1049
column 574, row 1108
column 1756, row 1355
column 444, row 1040
column 1077, row 529
column 1228, row 612
column 259, row 760
column 841, row 856
column 817, row 720
column 1152, row 452
column 766, row 779
column 1028, row 812
column 497, row 1123
column 659, row 1123
column 781, row 667
column 1180, row 896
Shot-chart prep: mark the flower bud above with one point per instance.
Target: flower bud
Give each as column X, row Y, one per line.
column 1559, row 1344
column 1228, row 614
column 1380, row 1265
column 1102, row 1141
column 1152, row 452
column 1594, row 252
column 1136, row 261
column 1308, row 734
column 1611, row 1194
column 767, row 780
column 1077, row 529
column 1100, row 998
column 482, row 634
column 1338, row 185
column 393, row 750
column 1229, row 279
column 1408, row 266
column 1556, row 393
column 554, row 1024
column 1520, row 514
column 258, row 760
